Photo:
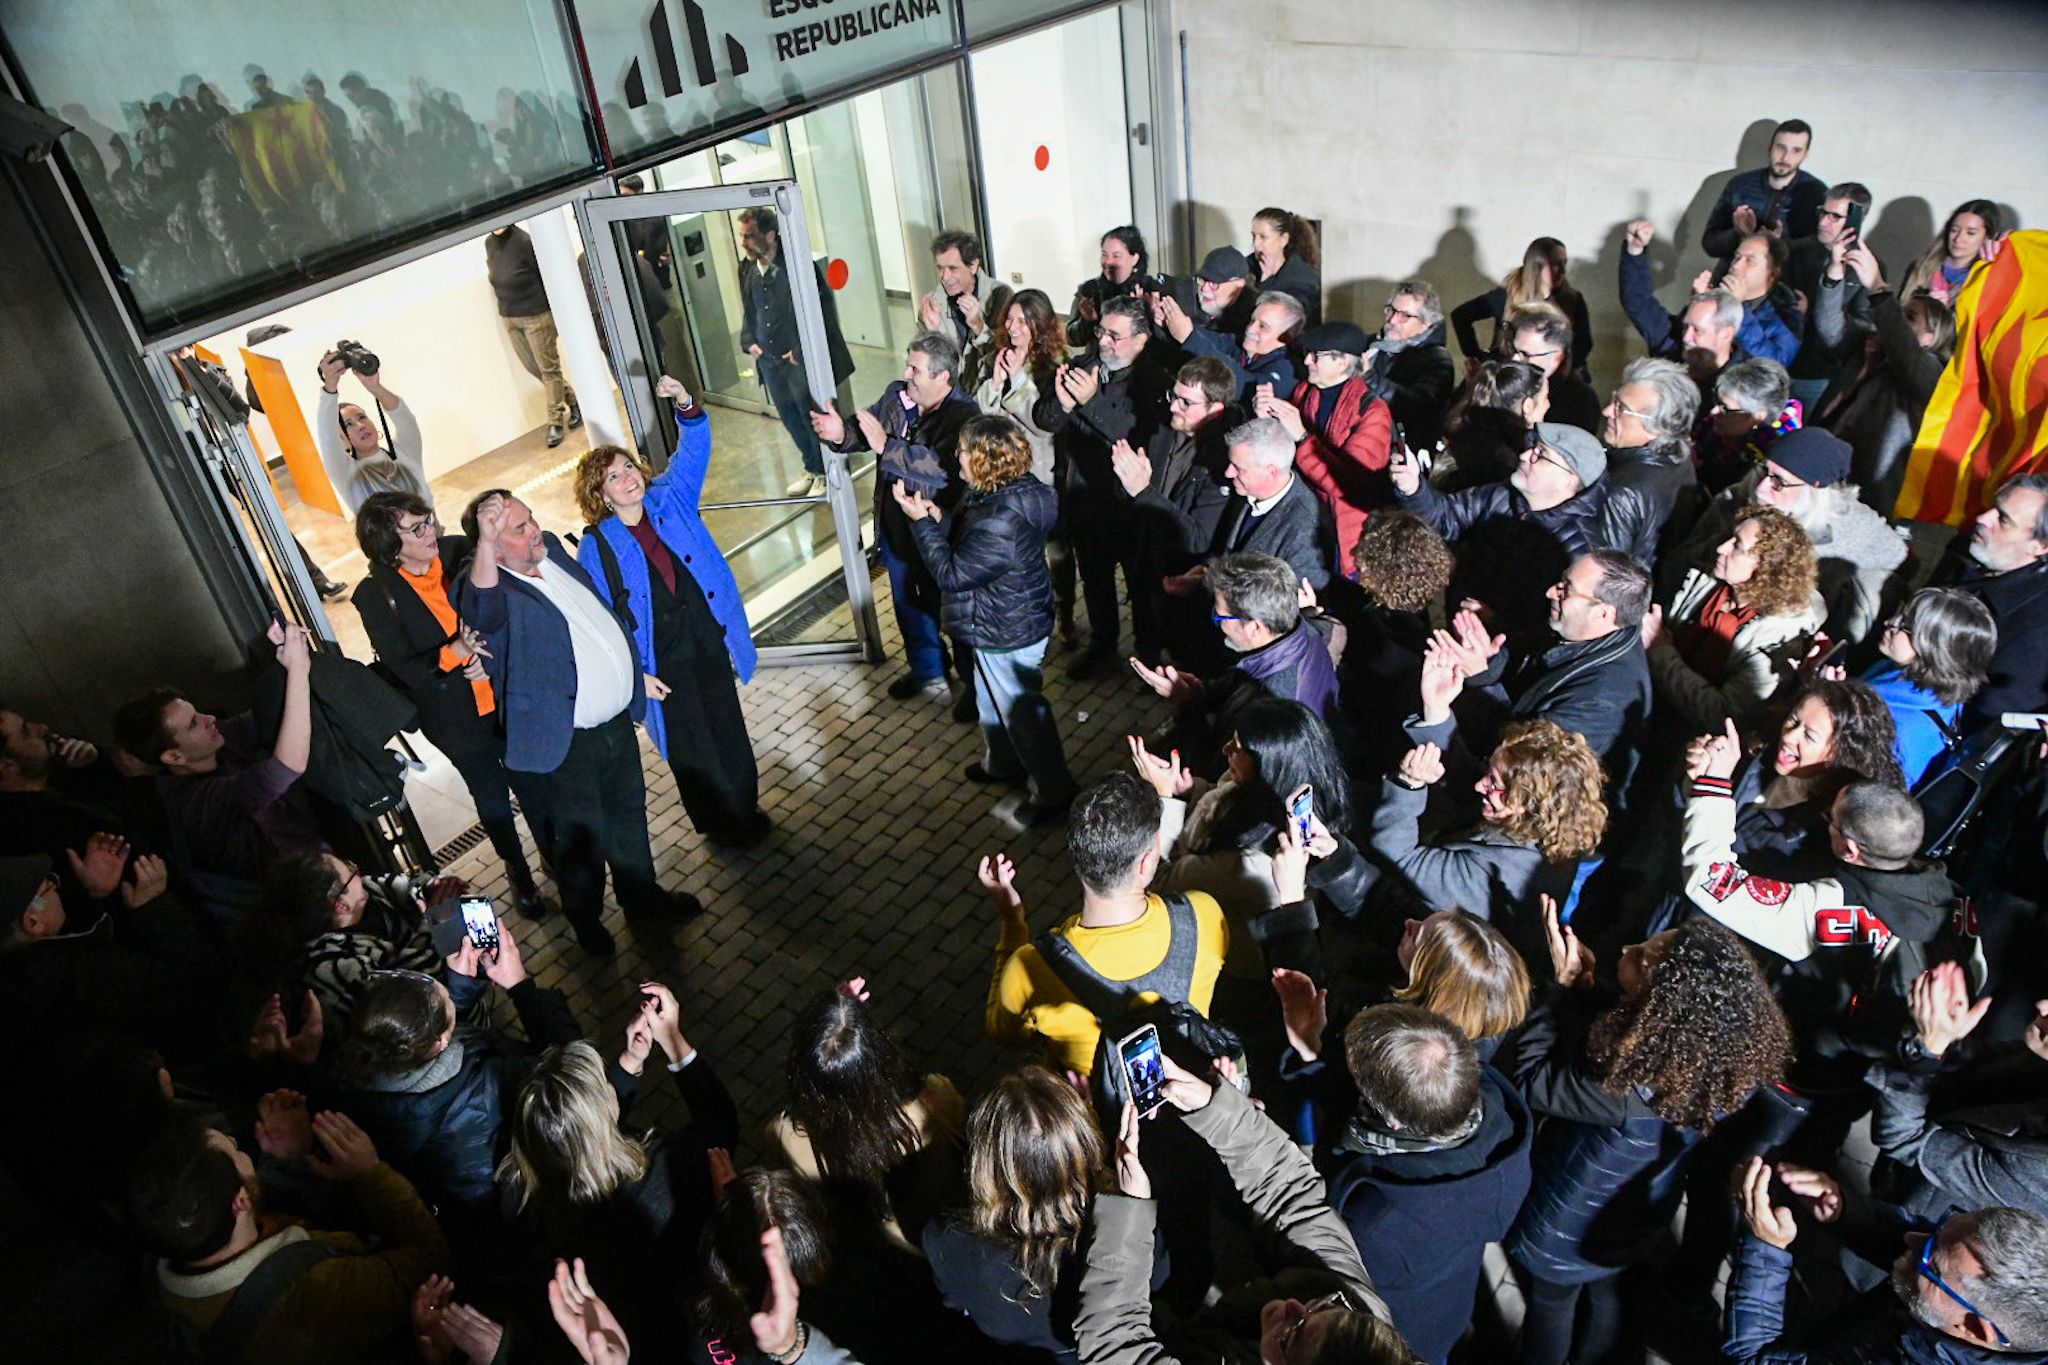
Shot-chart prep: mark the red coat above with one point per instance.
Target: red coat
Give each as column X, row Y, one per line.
column 1348, row 467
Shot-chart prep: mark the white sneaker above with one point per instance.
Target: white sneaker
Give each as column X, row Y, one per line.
column 799, row 487
column 817, row 486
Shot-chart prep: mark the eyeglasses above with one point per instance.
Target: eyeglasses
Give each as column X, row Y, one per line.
column 1115, row 338
column 1219, row 619
column 1538, row 453
column 1309, row 1310
column 418, row 530
column 1566, row 592
column 1784, row 483
column 1933, row 1277
column 1392, row 312
column 1628, row 411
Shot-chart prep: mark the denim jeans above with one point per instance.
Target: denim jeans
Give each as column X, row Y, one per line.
column 792, row 399
column 920, row 628
column 1018, row 732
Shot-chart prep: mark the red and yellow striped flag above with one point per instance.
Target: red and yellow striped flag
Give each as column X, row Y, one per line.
column 1988, row 418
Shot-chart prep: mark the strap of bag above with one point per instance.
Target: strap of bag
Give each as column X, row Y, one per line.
column 613, row 579
column 1172, row 980
column 1101, row 997
column 229, row 1336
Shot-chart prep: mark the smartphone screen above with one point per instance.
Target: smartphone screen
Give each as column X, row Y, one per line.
column 1303, row 811
column 1145, row 1069
column 480, row 922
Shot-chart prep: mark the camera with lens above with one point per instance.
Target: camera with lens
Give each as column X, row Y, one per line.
column 357, row 356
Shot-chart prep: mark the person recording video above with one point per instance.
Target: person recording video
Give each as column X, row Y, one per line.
column 366, row 453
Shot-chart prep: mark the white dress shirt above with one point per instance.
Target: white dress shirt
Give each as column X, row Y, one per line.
column 604, row 660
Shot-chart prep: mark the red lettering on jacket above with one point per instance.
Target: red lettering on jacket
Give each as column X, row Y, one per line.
column 1844, row 926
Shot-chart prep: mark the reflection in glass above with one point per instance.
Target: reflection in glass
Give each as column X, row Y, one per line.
column 214, row 177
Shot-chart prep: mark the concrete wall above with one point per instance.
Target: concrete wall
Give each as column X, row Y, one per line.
column 100, row 596
column 1437, row 137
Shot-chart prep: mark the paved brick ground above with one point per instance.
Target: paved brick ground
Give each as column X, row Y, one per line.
column 870, row 872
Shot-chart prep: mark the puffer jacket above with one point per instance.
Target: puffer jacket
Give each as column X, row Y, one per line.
column 441, row 1124
column 988, row 558
column 1508, row 553
column 1607, row 1170
column 1346, row 460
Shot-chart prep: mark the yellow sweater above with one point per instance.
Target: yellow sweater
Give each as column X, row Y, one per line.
column 1026, row 999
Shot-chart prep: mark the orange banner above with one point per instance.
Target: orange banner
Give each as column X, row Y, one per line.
column 1988, row 419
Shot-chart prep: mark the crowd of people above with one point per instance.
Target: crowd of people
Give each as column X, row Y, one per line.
column 1565, row 828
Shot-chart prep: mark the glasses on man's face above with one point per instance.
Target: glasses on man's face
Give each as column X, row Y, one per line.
column 1933, row 1277
column 1110, row 338
column 418, row 530
column 1627, row 411
column 1309, row 1310
column 1392, row 312
column 1219, row 618
column 1537, row 453
column 1566, row 592
column 1183, row 401
column 1837, row 217
column 1784, row 483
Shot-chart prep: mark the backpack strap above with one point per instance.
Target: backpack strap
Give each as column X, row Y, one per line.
column 1172, row 980
column 228, row 1338
column 613, row 579
column 1101, row 997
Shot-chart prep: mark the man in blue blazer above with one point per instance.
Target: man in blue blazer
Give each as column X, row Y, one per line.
column 572, row 689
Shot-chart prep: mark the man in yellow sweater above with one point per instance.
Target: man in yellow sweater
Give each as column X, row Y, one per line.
column 1123, row 931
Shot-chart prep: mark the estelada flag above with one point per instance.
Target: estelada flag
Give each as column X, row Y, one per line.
column 281, row 150
column 1988, row 418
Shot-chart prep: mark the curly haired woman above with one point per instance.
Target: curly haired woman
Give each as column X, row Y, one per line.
column 1403, row 566
column 1540, row 812
column 1731, row 631
column 1624, row 1087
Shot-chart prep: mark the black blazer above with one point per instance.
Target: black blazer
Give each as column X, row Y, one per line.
column 408, row 642
column 1297, row 529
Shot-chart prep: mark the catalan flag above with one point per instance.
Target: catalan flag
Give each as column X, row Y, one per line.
column 1988, row 418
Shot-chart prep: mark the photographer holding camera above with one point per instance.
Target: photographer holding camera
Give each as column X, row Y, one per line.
column 358, row 463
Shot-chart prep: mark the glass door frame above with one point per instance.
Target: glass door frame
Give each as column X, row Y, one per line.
column 597, row 217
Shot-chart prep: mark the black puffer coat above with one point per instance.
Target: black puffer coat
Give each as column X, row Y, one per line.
column 988, row 557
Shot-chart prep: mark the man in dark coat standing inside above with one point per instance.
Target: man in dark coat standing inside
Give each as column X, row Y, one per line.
column 768, row 332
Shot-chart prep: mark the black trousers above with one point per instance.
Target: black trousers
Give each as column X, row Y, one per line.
column 478, row 753
column 1100, row 547
column 709, row 749
column 598, row 798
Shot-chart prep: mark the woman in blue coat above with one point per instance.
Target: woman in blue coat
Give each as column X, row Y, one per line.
column 1622, row 1089
column 647, row 544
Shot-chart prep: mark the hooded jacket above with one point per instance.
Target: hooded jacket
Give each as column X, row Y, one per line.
column 1422, row 1218
column 988, row 558
column 1507, row 551
column 1853, row 940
